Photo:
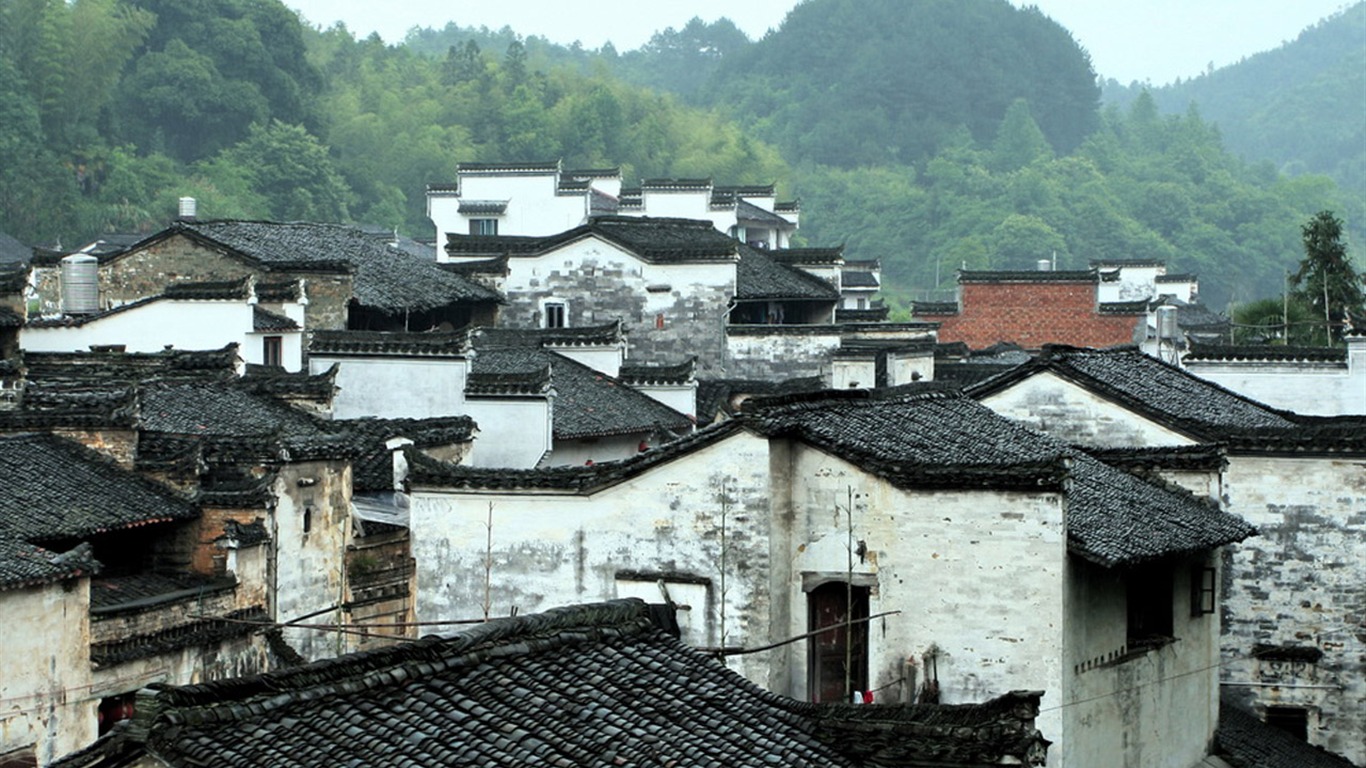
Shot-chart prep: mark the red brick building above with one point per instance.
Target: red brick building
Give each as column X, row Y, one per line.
column 1032, row 309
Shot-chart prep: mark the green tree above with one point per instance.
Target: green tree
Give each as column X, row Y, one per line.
column 1019, row 141
column 292, row 171
column 1326, row 279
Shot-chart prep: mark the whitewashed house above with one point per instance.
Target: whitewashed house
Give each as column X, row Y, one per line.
column 1292, row 597
column 983, row 556
column 264, row 321
column 1318, row 381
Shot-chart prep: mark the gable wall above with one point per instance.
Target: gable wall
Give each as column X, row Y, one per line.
column 152, row 327
column 1031, row 315
column 551, row 549
column 1300, row 583
column 1057, row 407
column 533, row 207
column 309, row 568
column 1321, row 389
column 601, row 282
column 976, row 573
column 395, row 387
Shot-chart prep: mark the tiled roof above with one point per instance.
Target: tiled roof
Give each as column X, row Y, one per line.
column 1319, row 435
column 263, row 320
column 206, row 632
column 1147, row 385
column 750, row 214
column 594, row 686
column 678, row 374
column 943, row 440
column 390, row 343
column 10, row 319
column 56, row 489
column 12, row 251
column 552, row 166
column 1179, row 277
column 607, row 334
column 25, row 565
column 654, row 240
column 1265, row 353
column 427, row 472
column 497, row 265
column 239, row 290
column 714, row 395
column 1027, row 276
column 833, row 256
column 919, row 308
column 877, row 314
column 1202, row 457
column 277, row 382
column 487, row 207
column 588, row 403
column 760, row 277
column 857, row 278
column 1123, row 307
column 113, row 594
column 13, row 278
column 373, row 469
column 386, row 279
column 279, row 292
column 225, row 411
column 1246, row 742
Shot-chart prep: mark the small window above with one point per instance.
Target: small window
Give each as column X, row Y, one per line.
column 659, row 321
column 483, row 226
column 1203, row 590
column 1149, row 594
column 308, row 518
column 862, row 303
column 556, row 315
column 1292, row 720
column 272, row 351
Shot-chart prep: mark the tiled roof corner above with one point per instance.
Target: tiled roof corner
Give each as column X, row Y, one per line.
column 676, row 374
column 390, row 343
column 759, row 276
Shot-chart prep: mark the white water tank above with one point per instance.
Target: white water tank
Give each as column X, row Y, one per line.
column 1043, row 265
column 80, row 284
column 188, row 208
column 1166, row 323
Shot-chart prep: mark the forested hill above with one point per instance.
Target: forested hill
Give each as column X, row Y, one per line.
column 1301, row 106
column 932, row 134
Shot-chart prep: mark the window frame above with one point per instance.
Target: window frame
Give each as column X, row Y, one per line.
column 486, row 227
column 554, row 313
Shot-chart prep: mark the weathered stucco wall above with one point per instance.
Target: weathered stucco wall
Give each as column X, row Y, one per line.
column 1321, row 389
column 310, row 564
column 780, row 351
column 976, row 574
column 550, row 549
column 1300, row 587
column 1154, row 708
column 1058, row 407
column 670, row 311
column 513, row 432
column 46, row 681
column 395, row 387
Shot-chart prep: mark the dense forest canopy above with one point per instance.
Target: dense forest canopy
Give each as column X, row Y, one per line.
column 932, row 134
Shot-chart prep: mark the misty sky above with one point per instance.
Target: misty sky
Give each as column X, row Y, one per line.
column 1153, row 40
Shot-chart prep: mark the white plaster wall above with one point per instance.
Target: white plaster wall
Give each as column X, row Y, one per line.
column 1320, row 389
column 1134, row 283
column 527, row 273
column 680, row 397
column 310, row 566
column 46, row 677
column 1151, row 709
column 153, row 326
column 1057, row 407
column 569, row 453
column 979, row 574
column 904, row 369
column 846, row 373
column 291, row 349
column 513, row 432
column 781, row 355
column 533, row 207
column 602, row 359
column 552, row 549
column 1300, row 583
column 395, row 387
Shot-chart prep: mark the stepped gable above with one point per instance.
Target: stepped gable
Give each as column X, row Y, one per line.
column 57, row 490
column 759, row 276
column 1149, row 386
column 577, row 479
column 592, row 685
column 588, row 403
column 386, row 278
column 1246, row 742
column 940, row 439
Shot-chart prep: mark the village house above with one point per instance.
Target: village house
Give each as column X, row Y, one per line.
column 541, row 199
column 350, row 280
column 540, row 396
column 265, row 516
column 1316, row 381
column 1291, row 597
column 588, row 685
column 982, row 556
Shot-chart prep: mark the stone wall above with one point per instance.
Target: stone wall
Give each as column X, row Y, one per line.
column 1296, row 594
column 381, row 580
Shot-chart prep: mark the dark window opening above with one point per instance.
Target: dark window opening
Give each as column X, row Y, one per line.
column 308, row 518
column 1292, row 720
column 1203, row 590
column 115, row 709
column 272, row 351
column 1149, row 594
column 555, row 315
column 837, row 663
column 483, row 226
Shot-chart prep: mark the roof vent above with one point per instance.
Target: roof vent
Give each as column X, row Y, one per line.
column 80, row 284
column 188, row 208
column 1043, row 265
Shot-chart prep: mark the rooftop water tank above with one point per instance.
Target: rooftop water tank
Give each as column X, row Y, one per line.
column 80, row 284
column 1166, row 323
